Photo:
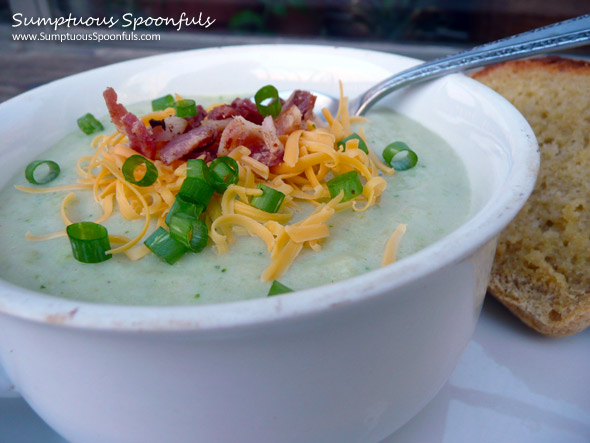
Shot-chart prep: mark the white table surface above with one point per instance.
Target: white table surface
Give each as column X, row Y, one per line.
column 511, row 385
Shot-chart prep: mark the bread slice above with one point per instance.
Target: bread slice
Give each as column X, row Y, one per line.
column 542, row 267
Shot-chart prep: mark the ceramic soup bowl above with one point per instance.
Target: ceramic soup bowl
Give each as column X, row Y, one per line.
column 348, row 361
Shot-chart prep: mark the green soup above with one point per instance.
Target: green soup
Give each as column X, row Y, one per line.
column 433, row 199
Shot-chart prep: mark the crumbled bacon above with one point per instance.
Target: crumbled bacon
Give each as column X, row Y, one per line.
column 208, row 154
column 239, row 107
column 304, row 100
column 194, row 121
column 169, row 128
column 116, row 110
column 273, row 154
column 289, row 120
column 215, row 133
column 141, row 139
column 262, row 140
column 203, row 136
column 296, row 110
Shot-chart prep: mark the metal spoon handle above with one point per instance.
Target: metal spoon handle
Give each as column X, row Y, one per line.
column 566, row 34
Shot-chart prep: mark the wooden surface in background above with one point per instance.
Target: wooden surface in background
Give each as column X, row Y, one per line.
column 26, row 65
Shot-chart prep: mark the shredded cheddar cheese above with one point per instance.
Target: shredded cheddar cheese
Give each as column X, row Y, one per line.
column 392, row 244
column 311, row 158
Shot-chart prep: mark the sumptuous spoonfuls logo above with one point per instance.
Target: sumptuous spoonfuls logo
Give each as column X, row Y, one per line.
column 61, row 26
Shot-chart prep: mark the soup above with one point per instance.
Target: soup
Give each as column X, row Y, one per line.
column 432, row 199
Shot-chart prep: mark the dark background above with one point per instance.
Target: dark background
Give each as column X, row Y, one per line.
column 426, row 21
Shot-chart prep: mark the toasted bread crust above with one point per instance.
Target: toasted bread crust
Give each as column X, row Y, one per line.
column 549, row 64
column 542, row 267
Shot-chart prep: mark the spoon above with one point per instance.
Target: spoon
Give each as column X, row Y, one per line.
column 567, row 34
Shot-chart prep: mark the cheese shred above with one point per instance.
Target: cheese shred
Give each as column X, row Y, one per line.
column 392, row 244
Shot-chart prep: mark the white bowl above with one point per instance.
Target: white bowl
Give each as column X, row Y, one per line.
column 350, row 361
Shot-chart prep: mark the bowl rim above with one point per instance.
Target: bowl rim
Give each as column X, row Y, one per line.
column 470, row 236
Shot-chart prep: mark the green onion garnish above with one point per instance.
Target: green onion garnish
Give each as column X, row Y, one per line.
column 89, row 124
column 52, row 173
column 162, row 103
column 268, row 92
column 278, row 288
column 183, row 206
column 197, row 168
column 164, row 246
column 196, row 191
column 189, row 231
column 151, row 172
column 406, row 158
column 349, row 182
column 354, row 136
column 270, row 200
column 186, row 108
column 90, row 242
column 223, row 171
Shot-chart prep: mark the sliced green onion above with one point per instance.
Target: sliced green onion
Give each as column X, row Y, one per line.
column 183, row 206
column 89, row 124
column 268, row 92
column 164, row 246
column 52, row 172
column 197, row 168
column 189, row 231
column 349, row 182
column 270, row 200
column 223, row 171
column 196, row 191
column 89, row 241
column 151, row 172
column 354, row 136
column 186, row 108
column 278, row 288
column 162, row 103
column 406, row 158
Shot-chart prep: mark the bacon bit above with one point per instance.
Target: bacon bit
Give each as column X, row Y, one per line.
column 201, row 137
column 289, row 120
column 169, row 128
column 273, row 155
column 262, row 140
column 295, row 112
column 304, row 100
column 141, row 139
column 239, row 107
column 215, row 133
column 194, row 121
column 208, row 154
column 116, row 110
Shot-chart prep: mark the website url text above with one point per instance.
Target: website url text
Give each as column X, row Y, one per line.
column 95, row 36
